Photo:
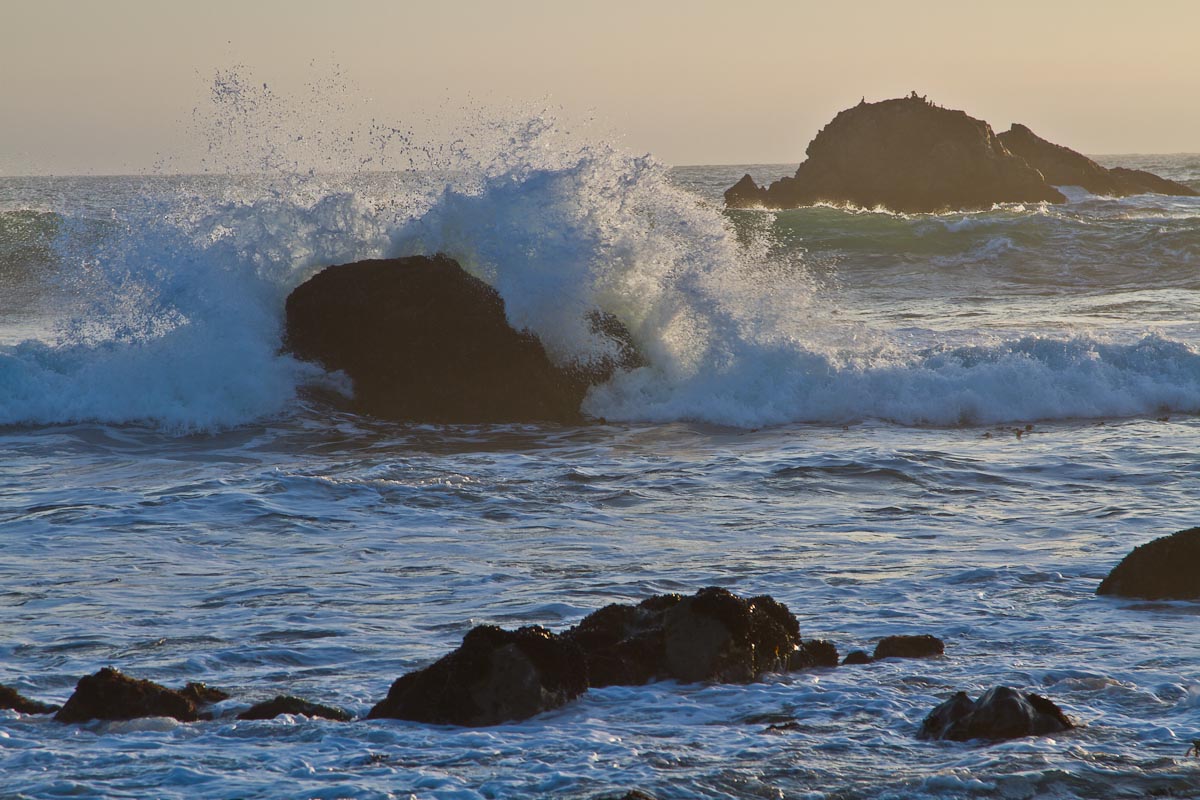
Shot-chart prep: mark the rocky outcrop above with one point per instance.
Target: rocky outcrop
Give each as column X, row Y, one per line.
column 713, row 635
column 424, row 341
column 286, row 704
column 12, row 699
column 1062, row 166
column 111, row 695
column 1139, row 181
column 201, row 694
column 1167, row 568
column 905, row 155
column 494, row 676
column 1000, row 713
column 922, row 646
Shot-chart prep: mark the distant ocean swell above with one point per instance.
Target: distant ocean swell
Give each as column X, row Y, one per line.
column 176, row 306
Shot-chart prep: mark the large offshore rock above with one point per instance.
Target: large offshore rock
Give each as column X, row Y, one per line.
column 711, row 636
column 494, row 676
column 424, row 341
column 1000, row 713
column 905, row 155
column 1167, row 568
column 110, row 694
column 1062, row 166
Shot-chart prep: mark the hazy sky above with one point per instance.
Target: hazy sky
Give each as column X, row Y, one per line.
column 111, row 86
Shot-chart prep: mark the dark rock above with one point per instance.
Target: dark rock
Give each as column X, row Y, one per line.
column 12, row 699
column 923, row 646
column 905, row 155
column 745, row 194
column 1139, row 181
column 109, row 694
column 1167, row 568
column 813, row 653
column 201, row 694
column 424, row 341
column 1062, row 166
column 286, row 704
column 494, row 676
column 1001, row 713
column 712, row 636
column 857, row 657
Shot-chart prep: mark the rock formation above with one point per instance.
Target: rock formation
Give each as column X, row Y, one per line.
column 922, row 646
column 711, row 636
column 109, row 694
column 11, row 698
column 286, row 704
column 1000, row 713
column 904, row 155
column 424, row 341
column 494, row 676
column 1167, row 568
column 1062, row 166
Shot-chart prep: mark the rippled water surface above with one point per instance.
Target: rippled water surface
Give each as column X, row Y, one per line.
column 934, row 424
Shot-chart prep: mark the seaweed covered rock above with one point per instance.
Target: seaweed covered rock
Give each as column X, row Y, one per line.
column 12, row 699
column 424, row 341
column 905, row 154
column 110, row 694
column 1000, row 713
column 713, row 635
column 494, row 676
column 286, row 704
column 1062, row 166
column 922, row 646
column 1167, row 568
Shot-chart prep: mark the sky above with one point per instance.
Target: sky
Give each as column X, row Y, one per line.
column 125, row 86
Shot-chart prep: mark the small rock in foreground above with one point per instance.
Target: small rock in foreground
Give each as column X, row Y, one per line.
column 112, row 695
column 12, row 699
column 286, row 704
column 923, row 646
column 1000, row 713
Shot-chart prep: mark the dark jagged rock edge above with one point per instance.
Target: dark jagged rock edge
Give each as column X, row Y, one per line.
column 910, row 155
column 424, row 341
column 112, row 695
column 1062, row 166
column 905, row 155
column 1000, row 713
column 1167, row 568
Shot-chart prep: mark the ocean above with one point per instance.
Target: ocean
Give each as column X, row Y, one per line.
column 952, row 424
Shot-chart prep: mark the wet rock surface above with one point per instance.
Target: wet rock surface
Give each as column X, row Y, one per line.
column 921, row 646
column 713, row 635
column 1000, row 713
column 112, row 695
column 422, row 340
column 1167, row 568
column 286, row 704
column 494, row 676
column 906, row 155
column 1062, row 166
column 12, row 699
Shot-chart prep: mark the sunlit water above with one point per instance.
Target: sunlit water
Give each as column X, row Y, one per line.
column 835, row 413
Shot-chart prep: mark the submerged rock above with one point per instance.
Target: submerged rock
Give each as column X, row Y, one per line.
column 922, row 646
column 1000, row 713
column 857, row 657
column 905, row 155
column 1167, row 568
column 12, row 699
column 286, row 704
column 711, row 636
column 424, row 341
column 1062, row 166
column 494, row 676
column 112, row 695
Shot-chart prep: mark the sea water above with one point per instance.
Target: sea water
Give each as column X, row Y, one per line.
column 952, row 424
